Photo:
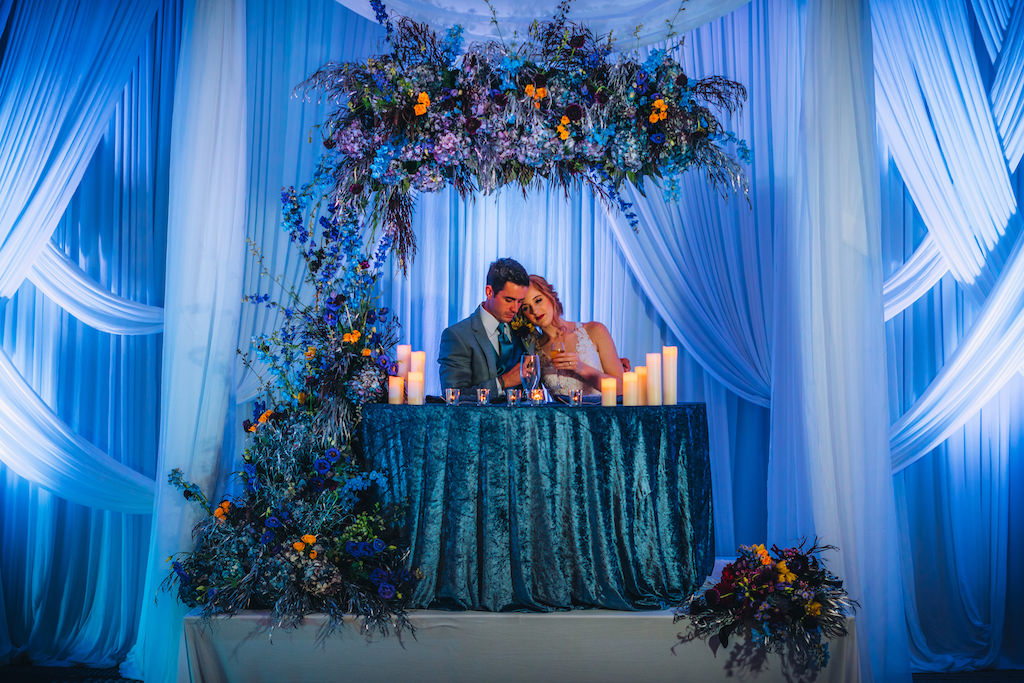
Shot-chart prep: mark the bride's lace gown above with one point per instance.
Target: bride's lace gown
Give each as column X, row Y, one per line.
column 566, row 381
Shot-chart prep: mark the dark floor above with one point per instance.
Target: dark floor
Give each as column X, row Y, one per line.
column 45, row 674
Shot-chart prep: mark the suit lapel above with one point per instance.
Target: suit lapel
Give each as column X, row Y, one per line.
column 484, row 344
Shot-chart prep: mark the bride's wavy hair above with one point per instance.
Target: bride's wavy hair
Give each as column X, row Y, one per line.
column 547, row 290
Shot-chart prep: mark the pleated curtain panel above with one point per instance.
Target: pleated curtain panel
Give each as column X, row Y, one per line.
column 853, row 326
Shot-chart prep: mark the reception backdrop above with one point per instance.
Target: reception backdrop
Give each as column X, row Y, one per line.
column 854, row 330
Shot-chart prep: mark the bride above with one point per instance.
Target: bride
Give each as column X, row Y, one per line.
column 572, row 355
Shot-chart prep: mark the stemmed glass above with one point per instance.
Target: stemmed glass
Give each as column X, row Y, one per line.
column 529, row 369
column 557, row 347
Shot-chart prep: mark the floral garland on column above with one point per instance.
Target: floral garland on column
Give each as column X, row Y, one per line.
column 305, row 534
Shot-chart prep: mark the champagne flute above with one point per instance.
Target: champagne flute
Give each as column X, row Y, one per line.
column 557, row 348
column 529, row 369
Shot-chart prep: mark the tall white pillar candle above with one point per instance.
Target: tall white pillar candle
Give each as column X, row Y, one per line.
column 670, row 374
column 630, row 395
column 418, row 362
column 654, row 379
column 396, row 391
column 402, row 352
column 608, row 393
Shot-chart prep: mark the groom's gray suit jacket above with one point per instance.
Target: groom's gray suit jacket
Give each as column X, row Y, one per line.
column 466, row 357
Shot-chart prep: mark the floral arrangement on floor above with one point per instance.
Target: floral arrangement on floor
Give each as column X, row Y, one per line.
column 559, row 107
column 784, row 601
column 304, row 535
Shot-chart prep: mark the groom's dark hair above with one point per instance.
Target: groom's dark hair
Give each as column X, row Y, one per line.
column 506, row 270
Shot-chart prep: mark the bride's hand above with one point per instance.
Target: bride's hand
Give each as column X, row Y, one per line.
column 566, row 360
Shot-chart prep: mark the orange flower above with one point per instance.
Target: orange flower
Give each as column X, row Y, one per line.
column 226, row 504
column 347, row 338
column 299, row 545
column 309, row 538
column 660, row 104
column 356, row 334
column 542, row 92
column 813, row 608
column 653, row 118
column 300, row 397
column 420, row 109
column 424, row 99
column 312, row 554
column 565, row 120
column 366, row 352
column 310, row 352
column 536, row 105
column 265, row 416
column 529, row 90
column 662, row 116
column 220, row 514
column 252, row 427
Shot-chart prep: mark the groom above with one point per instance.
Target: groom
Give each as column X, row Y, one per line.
column 480, row 351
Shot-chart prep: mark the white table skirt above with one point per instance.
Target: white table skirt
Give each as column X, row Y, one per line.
column 581, row 645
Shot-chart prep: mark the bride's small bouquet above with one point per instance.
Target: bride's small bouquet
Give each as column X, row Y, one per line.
column 783, row 601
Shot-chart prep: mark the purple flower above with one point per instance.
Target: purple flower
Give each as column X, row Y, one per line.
column 371, row 317
column 330, row 318
column 378, row 575
column 382, row 314
column 386, row 590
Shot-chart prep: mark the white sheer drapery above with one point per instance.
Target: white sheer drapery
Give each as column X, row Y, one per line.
column 1007, row 95
column 635, row 23
column 80, row 55
column 73, row 290
column 40, row 447
column 205, row 254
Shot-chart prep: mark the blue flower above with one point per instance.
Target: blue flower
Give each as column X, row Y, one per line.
column 352, row 548
column 657, row 138
column 249, row 469
column 383, row 314
column 386, row 591
column 330, row 318
column 378, row 575
column 371, row 317
column 267, row 537
column 364, row 549
column 378, row 545
column 323, row 466
column 333, row 454
column 273, row 522
column 180, row 571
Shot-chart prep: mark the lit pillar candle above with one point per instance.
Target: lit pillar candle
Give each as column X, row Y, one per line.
column 630, row 394
column 415, row 388
column 669, row 374
column 418, row 362
column 654, row 379
column 608, row 386
column 402, row 352
column 396, row 391
column 641, row 386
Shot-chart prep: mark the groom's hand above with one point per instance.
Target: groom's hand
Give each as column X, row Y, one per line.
column 512, row 378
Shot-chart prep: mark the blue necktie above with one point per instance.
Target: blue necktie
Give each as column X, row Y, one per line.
column 506, row 350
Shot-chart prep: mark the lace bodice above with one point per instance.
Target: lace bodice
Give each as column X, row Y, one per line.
column 563, row 382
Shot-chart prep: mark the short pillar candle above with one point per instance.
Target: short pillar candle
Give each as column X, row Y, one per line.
column 629, row 389
column 396, row 391
column 416, row 393
column 641, row 385
column 608, row 386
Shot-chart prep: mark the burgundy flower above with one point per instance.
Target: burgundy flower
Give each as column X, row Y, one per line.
column 576, row 42
column 473, row 125
column 574, row 112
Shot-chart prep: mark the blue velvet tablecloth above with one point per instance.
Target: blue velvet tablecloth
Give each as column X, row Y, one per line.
column 549, row 507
